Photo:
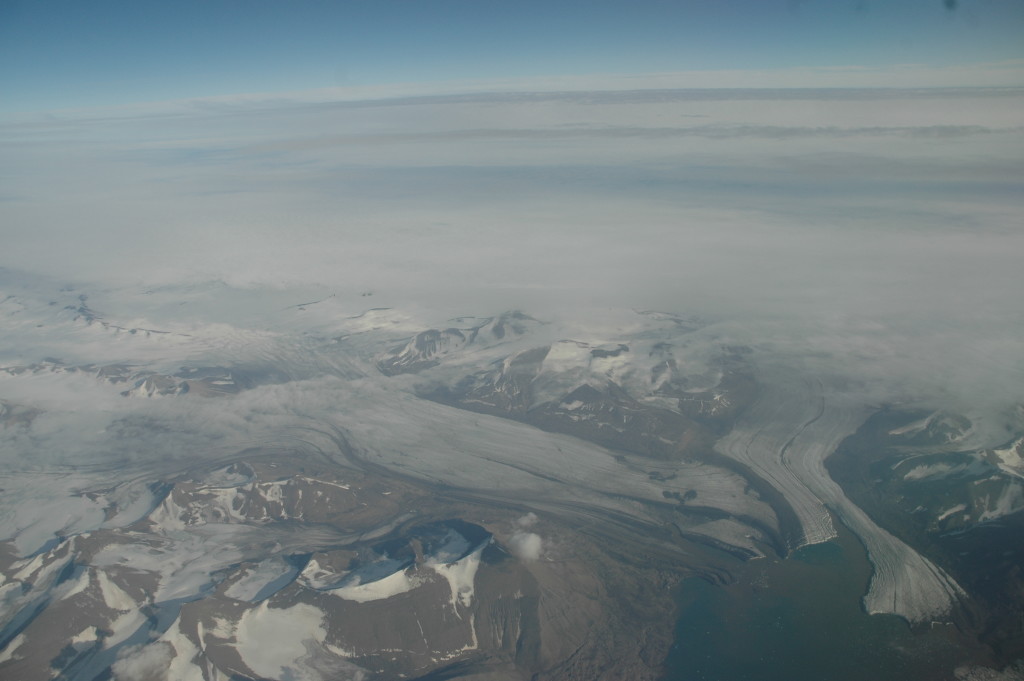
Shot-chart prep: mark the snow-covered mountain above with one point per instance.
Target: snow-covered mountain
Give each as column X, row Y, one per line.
column 323, row 491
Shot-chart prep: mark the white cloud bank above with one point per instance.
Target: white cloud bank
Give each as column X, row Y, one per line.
column 881, row 227
column 526, row 545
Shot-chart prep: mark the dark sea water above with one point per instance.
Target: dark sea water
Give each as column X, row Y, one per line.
column 801, row 619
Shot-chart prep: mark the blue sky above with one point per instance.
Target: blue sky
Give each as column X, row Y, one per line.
column 59, row 54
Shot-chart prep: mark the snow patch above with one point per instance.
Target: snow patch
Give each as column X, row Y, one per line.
column 222, row 628
column 914, row 427
column 87, row 635
column 8, row 653
column 143, row 662
column 397, row 583
column 1010, row 459
column 340, row 652
column 1011, row 500
column 78, row 586
column 255, row 578
column 951, row 511
column 123, row 627
column 315, row 481
column 185, row 567
column 167, row 516
column 113, row 595
column 930, row 470
column 272, row 641
column 182, row 667
column 461, row 575
column 317, row 577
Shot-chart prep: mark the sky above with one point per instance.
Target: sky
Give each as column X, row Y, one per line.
column 480, row 157
column 58, row 54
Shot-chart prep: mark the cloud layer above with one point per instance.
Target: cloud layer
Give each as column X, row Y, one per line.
column 878, row 226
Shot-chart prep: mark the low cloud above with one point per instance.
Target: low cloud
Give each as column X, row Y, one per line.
column 526, row 546
column 528, row 520
column 870, row 233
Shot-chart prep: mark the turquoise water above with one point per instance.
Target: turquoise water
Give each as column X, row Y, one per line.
column 801, row 619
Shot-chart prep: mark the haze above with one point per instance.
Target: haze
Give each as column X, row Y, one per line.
column 302, row 230
column 880, row 223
